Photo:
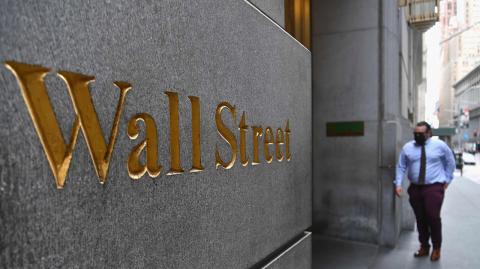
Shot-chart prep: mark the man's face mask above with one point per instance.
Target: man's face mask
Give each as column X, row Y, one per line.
column 420, row 138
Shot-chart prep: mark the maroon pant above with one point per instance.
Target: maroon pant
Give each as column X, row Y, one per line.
column 426, row 201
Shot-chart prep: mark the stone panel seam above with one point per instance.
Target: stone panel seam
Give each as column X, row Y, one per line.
column 306, row 234
column 275, row 23
column 381, row 106
column 281, row 251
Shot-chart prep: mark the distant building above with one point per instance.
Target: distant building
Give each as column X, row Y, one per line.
column 467, row 103
column 460, row 45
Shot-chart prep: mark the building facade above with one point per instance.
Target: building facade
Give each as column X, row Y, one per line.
column 202, row 134
column 460, row 27
column 134, row 135
column 367, row 65
column 467, row 102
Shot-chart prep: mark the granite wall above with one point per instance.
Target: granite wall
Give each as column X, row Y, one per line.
column 356, row 48
column 217, row 218
column 275, row 9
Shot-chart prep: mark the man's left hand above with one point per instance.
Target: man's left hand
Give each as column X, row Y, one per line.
column 445, row 186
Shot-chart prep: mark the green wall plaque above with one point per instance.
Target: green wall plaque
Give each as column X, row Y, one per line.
column 345, row 128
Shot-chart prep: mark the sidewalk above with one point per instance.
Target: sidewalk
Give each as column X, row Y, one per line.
column 461, row 238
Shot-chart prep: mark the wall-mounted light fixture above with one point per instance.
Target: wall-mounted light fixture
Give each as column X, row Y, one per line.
column 421, row 14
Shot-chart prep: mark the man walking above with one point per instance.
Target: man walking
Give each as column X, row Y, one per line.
column 429, row 165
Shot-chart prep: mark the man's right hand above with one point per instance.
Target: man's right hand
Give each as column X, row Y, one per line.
column 399, row 191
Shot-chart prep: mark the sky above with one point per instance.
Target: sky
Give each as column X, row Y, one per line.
column 432, row 40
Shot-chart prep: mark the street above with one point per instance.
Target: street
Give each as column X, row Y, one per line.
column 472, row 172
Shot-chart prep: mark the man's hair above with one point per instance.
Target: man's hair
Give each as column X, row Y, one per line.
column 424, row 123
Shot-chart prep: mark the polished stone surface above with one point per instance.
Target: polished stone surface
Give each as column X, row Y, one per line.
column 345, row 77
column 275, row 9
column 357, row 77
column 329, row 252
column 224, row 51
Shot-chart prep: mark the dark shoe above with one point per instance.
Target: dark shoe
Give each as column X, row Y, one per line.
column 422, row 252
column 435, row 255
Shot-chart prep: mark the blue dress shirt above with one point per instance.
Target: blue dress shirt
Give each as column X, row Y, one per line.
column 440, row 162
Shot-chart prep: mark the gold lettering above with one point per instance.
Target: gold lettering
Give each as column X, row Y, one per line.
column 226, row 134
column 279, row 140
column 100, row 153
column 31, row 81
column 267, row 141
column 175, row 165
column 196, row 150
column 135, row 169
column 257, row 132
column 243, row 127
column 288, row 156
